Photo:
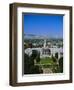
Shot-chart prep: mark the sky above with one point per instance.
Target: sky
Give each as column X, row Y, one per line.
column 44, row 25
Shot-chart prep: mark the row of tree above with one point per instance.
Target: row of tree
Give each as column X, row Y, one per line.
column 31, row 68
column 59, row 62
column 29, row 63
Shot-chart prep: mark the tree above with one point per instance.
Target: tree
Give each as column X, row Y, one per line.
column 56, row 55
column 38, row 57
column 61, row 64
column 54, row 59
column 55, row 68
column 26, row 63
column 36, row 70
column 29, row 65
column 34, row 54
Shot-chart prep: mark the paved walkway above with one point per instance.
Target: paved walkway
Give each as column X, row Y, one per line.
column 47, row 70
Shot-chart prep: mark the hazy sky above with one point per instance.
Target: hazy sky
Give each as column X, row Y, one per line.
column 44, row 25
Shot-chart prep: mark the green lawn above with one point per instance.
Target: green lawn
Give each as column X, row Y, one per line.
column 46, row 60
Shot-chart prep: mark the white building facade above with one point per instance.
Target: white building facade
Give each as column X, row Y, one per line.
column 46, row 52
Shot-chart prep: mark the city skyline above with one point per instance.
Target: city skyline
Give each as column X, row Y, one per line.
column 44, row 25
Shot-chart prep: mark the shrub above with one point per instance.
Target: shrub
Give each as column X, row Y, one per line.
column 29, row 66
column 61, row 64
column 56, row 55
